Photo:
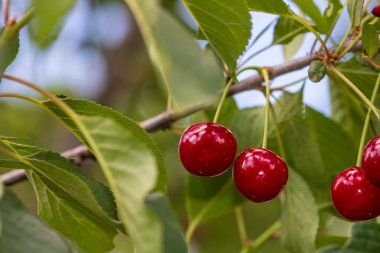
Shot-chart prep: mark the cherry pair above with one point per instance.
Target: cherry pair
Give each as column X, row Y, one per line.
column 355, row 192
column 208, row 149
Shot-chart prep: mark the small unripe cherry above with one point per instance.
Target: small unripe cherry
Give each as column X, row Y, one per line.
column 207, row 149
column 376, row 11
column 260, row 174
column 354, row 197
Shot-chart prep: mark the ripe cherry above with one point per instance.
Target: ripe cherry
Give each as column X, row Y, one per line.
column 371, row 161
column 354, row 197
column 259, row 174
column 207, row 149
column 376, row 11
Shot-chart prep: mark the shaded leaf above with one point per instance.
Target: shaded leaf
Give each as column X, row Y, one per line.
column 370, row 39
column 318, row 138
column 176, row 56
column 354, row 8
column 298, row 234
column 209, row 198
column 364, row 239
column 220, row 15
column 22, row 232
column 173, row 236
column 317, row 71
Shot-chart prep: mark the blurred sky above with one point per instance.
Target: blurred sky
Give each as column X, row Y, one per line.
column 68, row 62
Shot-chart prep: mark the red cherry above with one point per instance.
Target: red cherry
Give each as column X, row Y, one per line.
column 354, row 197
column 259, row 174
column 376, row 11
column 207, row 149
column 371, row 161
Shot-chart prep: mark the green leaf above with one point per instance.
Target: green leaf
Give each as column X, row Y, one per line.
column 234, row 20
column 209, row 198
column 90, row 108
column 191, row 76
column 364, row 239
column 8, row 165
column 364, row 77
column 126, row 155
column 9, row 46
column 370, row 39
column 311, row 10
column 286, row 30
column 248, row 126
column 345, row 110
column 332, row 13
column 354, row 8
column 22, row 232
column 270, row 6
column 173, row 237
column 292, row 48
column 317, row 71
column 80, row 208
column 318, row 138
column 48, row 18
column 298, row 234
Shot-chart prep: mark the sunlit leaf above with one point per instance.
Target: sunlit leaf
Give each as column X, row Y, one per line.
column 286, row 30
column 270, row 6
column 9, row 46
column 354, row 8
column 80, row 208
column 128, row 158
column 220, row 15
column 48, row 18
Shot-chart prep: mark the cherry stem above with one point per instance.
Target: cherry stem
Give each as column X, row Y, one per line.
column 366, row 123
column 278, row 135
column 241, row 225
column 19, row 96
column 265, row 75
column 222, row 99
column 355, row 89
column 6, row 11
column 267, row 234
column 313, row 31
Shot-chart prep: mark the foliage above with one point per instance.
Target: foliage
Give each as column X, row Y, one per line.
column 139, row 198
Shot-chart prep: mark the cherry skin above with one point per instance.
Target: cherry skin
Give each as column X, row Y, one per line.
column 371, row 161
column 259, row 174
column 376, row 11
column 354, row 197
column 207, row 149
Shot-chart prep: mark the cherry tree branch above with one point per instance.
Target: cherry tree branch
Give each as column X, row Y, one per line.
column 165, row 119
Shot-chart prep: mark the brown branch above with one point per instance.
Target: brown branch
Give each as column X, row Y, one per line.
column 164, row 119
